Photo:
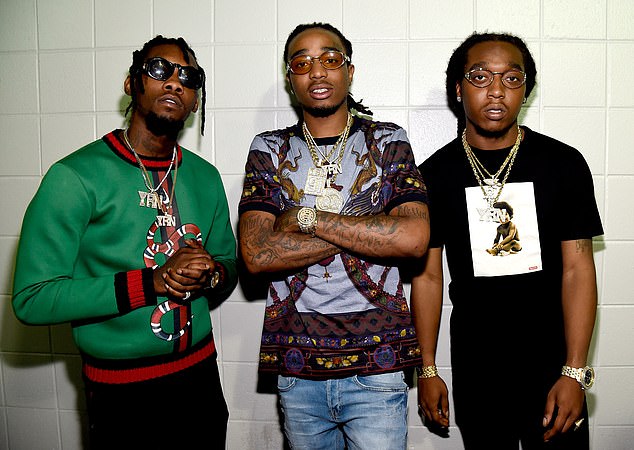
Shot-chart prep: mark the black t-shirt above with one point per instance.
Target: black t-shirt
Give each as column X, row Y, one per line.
column 507, row 303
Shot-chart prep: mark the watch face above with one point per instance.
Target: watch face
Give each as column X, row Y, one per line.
column 588, row 377
column 306, row 216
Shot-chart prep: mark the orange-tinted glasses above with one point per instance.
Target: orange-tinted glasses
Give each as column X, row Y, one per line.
column 330, row 60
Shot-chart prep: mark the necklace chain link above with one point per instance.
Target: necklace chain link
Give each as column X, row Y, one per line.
column 479, row 170
column 341, row 144
column 147, row 179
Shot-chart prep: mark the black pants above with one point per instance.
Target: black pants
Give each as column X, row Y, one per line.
column 186, row 410
column 503, row 419
column 497, row 438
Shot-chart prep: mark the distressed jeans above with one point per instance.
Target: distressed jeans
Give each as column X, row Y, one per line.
column 356, row 413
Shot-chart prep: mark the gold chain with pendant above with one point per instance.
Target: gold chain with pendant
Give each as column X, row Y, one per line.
column 320, row 177
column 147, row 179
column 488, row 185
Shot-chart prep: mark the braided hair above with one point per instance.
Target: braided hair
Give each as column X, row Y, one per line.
column 138, row 59
column 352, row 103
column 458, row 61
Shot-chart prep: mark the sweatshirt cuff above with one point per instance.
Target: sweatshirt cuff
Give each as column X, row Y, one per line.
column 134, row 289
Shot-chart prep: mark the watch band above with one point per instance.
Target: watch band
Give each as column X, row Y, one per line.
column 583, row 375
column 215, row 278
column 427, row 371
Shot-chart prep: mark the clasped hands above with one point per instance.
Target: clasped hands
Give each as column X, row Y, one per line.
column 185, row 273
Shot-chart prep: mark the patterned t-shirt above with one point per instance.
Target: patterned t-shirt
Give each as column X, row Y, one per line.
column 344, row 315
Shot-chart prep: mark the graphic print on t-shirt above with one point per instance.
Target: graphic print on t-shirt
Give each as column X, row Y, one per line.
column 505, row 238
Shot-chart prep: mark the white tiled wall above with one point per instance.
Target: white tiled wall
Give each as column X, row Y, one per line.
column 61, row 77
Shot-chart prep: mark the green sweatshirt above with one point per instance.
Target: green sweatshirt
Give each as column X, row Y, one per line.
column 89, row 241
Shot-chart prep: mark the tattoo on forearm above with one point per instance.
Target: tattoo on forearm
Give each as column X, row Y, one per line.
column 265, row 248
column 583, row 245
column 377, row 232
column 412, row 211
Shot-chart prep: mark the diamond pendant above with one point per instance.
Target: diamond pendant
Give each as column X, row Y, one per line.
column 330, row 201
column 148, row 199
column 488, row 214
column 315, row 181
column 332, row 169
column 490, row 193
column 165, row 220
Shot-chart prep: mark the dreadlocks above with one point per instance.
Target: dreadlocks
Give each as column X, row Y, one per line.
column 352, row 103
column 458, row 60
column 139, row 57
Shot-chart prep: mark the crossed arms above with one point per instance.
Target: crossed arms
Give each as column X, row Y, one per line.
column 270, row 244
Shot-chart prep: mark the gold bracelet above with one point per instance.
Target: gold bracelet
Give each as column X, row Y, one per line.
column 427, row 371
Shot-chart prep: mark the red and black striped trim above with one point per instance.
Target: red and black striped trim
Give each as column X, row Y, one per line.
column 121, row 371
column 116, row 144
column 134, row 289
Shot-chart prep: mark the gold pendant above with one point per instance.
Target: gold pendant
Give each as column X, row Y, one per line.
column 330, row 200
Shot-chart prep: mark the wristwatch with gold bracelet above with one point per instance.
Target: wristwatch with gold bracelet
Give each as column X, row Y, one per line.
column 584, row 375
column 427, row 372
column 307, row 220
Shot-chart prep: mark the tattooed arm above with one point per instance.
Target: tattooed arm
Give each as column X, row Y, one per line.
column 265, row 249
column 403, row 233
column 270, row 245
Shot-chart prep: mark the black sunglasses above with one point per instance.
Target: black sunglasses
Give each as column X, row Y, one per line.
column 161, row 69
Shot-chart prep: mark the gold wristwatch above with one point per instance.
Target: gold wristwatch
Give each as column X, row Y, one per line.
column 307, row 220
column 584, row 375
column 427, row 372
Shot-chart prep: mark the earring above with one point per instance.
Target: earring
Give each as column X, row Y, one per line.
column 459, row 99
column 525, row 100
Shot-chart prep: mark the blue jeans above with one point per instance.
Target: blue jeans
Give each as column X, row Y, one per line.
column 357, row 413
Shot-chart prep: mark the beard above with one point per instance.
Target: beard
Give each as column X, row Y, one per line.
column 323, row 111
column 494, row 134
column 161, row 126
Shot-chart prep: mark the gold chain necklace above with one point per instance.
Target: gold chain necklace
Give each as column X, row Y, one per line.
column 491, row 187
column 146, row 176
column 325, row 158
column 147, row 179
column 341, row 143
column 320, row 177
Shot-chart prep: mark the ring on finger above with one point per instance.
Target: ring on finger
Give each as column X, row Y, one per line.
column 187, row 295
column 578, row 423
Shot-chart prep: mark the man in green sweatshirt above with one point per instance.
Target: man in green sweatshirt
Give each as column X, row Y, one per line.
column 129, row 240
